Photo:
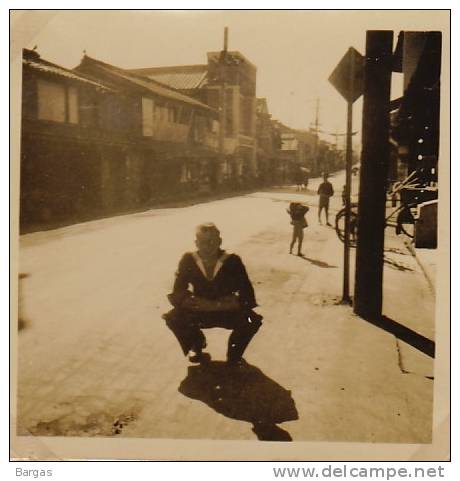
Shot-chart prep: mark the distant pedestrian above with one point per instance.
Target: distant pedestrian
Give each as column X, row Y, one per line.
column 297, row 213
column 305, row 181
column 299, row 180
column 344, row 195
column 325, row 192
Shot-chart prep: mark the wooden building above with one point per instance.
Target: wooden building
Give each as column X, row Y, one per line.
column 234, row 74
column 98, row 140
column 268, row 145
column 415, row 116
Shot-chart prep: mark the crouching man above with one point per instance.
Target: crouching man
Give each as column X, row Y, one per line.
column 212, row 289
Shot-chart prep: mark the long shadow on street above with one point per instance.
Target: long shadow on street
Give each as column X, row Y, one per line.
column 318, row 263
column 422, row 343
column 244, row 393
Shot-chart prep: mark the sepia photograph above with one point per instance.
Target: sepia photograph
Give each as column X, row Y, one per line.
column 225, row 234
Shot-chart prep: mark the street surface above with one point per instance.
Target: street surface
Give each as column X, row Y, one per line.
column 96, row 359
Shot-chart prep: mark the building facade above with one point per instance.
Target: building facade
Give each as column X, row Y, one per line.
column 98, row 140
column 227, row 83
column 415, row 116
column 268, row 140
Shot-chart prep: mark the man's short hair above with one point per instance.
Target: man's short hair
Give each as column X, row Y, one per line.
column 207, row 227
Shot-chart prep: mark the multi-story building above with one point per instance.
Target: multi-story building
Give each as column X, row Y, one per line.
column 178, row 133
column 227, row 83
column 297, row 153
column 98, row 140
column 60, row 148
column 268, row 144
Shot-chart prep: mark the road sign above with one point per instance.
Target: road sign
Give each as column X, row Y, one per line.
column 348, row 76
column 348, row 79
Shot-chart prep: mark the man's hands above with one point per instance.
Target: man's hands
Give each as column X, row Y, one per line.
column 227, row 303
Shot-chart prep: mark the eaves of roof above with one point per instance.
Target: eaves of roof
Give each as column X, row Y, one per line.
column 53, row 69
column 148, row 84
column 180, row 77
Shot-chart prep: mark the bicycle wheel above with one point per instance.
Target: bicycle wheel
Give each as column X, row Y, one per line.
column 405, row 222
column 340, row 226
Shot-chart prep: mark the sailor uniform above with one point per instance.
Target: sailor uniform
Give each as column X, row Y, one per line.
column 228, row 279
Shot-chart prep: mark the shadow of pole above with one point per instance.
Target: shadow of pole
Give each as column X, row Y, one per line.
column 411, row 337
column 244, row 393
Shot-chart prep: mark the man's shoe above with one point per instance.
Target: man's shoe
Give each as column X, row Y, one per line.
column 329, row 224
column 195, row 357
column 199, row 358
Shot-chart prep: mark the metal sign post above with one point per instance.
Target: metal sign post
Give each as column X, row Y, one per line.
column 346, row 299
column 347, row 78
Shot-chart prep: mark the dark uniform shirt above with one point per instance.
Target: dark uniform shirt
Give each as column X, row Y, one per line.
column 326, row 189
column 230, row 278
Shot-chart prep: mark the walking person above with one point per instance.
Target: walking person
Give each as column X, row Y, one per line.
column 325, row 192
column 297, row 212
column 305, row 181
column 212, row 289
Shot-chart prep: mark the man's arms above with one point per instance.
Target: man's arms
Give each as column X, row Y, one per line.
column 233, row 285
column 226, row 303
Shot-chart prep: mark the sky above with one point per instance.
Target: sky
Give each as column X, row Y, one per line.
column 294, row 51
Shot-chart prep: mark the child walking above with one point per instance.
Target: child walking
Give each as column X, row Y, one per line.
column 297, row 212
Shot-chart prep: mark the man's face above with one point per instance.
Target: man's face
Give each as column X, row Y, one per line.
column 208, row 243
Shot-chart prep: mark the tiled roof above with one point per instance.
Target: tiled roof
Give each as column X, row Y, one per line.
column 187, row 77
column 146, row 83
column 37, row 63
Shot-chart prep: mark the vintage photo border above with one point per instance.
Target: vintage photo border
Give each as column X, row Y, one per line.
column 22, row 29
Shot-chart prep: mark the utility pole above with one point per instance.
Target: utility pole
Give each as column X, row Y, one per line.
column 336, row 135
column 222, row 109
column 373, row 175
column 316, row 140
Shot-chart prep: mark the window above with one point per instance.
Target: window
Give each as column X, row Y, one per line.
column 246, row 115
column 157, row 113
column 172, row 114
column 51, row 101
column 57, row 102
column 147, row 117
column 161, row 113
column 229, row 95
column 185, row 115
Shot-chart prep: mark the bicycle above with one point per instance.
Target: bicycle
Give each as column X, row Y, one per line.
column 402, row 218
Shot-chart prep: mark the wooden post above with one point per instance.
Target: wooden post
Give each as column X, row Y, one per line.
column 222, row 109
column 373, row 175
column 225, row 39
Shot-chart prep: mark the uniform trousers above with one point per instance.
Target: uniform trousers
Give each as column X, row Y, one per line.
column 187, row 326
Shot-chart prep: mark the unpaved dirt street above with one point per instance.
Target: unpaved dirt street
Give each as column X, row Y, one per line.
column 95, row 358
